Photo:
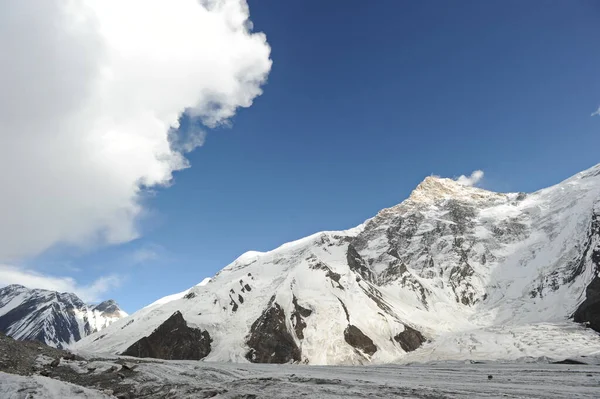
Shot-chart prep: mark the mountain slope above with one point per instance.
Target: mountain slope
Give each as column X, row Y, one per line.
column 448, row 262
column 57, row 319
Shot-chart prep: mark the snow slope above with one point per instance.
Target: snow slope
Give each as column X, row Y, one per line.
column 57, row 319
column 179, row 295
column 454, row 264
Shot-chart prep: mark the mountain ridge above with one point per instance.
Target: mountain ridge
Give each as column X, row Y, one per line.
column 451, row 263
column 56, row 318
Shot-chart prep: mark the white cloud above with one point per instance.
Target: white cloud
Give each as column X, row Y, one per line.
column 471, row 180
column 597, row 112
column 91, row 90
column 31, row 279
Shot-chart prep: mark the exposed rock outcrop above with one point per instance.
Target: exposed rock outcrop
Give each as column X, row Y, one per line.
column 269, row 339
column 298, row 318
column 358, row 265
column 173, row 340
column 357, row 339
column 409, row 339
column 589, row 310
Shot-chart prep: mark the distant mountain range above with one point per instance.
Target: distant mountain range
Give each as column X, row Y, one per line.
column 57, row 319
column 452, row 272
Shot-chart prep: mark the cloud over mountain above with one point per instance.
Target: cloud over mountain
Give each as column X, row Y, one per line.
column 471, row 180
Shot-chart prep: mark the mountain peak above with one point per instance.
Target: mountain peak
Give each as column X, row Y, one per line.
column 452, row 261
column 55, row 318
column 13, row 287
column 109, row 305
column 433, row 181
column 109, row 308
column 436, row 188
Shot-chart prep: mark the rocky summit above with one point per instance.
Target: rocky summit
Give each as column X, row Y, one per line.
column 452, row 272
column 54, row 318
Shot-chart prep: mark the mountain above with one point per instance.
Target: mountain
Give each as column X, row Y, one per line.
column 452, row 272
column 57, row 319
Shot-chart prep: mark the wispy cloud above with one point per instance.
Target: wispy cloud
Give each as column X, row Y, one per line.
column 471, row 180
column 93, row 292
column 597, row 112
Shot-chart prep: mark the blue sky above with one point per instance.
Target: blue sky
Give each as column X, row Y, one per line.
column 365, row 99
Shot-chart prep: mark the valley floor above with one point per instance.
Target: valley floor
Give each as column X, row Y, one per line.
column 421, row 381
column 33, row 370
column 187, row 379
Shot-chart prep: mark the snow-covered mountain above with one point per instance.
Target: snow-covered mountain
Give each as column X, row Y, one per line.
column 451, row 272
column 57, row 319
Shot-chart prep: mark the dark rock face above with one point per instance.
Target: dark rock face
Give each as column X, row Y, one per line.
column 345, row 310
column 269, row 340
column 461, row 214
column 298, row 318
column 109, row 307
column 233, row 303
column 459, row 277
column 356, row 263
column 173, row 340
column 357, row 339
column 409, row 339
column 589, row 310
